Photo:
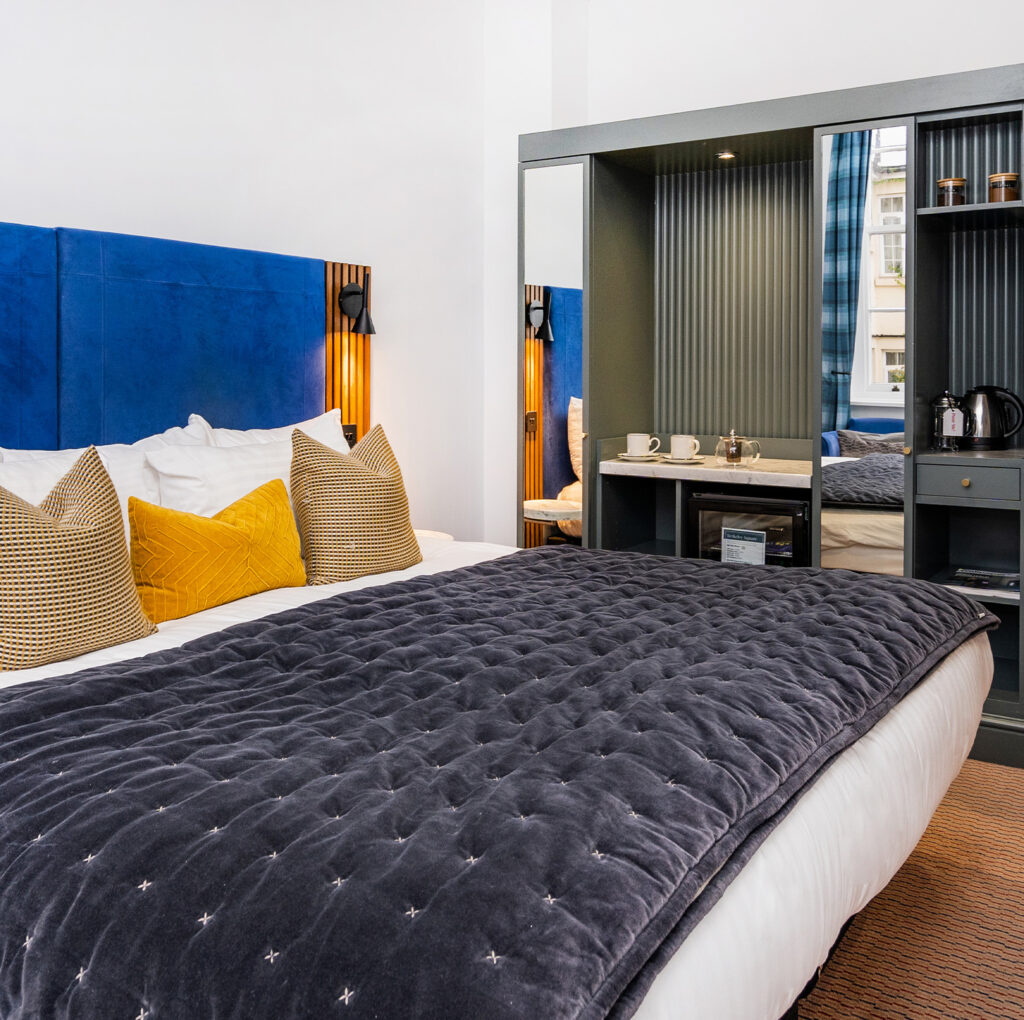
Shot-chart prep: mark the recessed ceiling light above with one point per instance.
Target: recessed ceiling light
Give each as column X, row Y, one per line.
column 725, row 154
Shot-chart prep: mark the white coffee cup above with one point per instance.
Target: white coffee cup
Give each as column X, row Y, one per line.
column 684, row 447
column 640, row 444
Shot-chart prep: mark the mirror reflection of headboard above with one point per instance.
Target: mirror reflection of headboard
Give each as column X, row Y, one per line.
column 110, row 337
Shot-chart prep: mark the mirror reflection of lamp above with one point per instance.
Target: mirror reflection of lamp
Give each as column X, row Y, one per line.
column 538, row 315
column 354, row 301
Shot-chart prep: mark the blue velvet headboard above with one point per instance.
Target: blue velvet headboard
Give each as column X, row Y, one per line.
column 139, row 331
column 28, row 337
column 563, row 378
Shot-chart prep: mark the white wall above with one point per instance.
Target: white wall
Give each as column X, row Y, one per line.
column 343, row 131
column 665, row 56
column 386, row 133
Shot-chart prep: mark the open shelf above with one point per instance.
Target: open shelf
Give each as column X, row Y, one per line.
column 971, row 144
column 980, row 537
column 1005, row 643
column 1002, row 681
column 978, row 216
column 984, row 595
column 655, row 546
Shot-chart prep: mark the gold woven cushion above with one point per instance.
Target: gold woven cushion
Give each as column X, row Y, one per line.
column 184, row 563
column 66, row 584
column 352, row 509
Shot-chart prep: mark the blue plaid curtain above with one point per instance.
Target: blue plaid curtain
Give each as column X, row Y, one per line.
column 840, row 293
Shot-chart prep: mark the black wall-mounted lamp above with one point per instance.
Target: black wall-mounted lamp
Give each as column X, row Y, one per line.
column 354, row 301
column 538, row 315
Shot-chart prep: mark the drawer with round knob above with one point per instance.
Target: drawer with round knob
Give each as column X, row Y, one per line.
column 972, row 482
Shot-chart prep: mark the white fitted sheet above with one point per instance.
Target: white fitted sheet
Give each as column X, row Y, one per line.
column 439, row 554
column 753, row 953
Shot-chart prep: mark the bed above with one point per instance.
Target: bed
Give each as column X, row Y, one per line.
column 862, row 496
column 498, row 783
column 136, row 729
column 862, row 513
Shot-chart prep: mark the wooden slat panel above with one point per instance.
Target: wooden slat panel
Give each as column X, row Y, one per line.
column 533, row 400
column 348, row 354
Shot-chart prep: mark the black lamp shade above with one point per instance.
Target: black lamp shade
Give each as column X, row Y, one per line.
column 354, row 301
column 363, row 323
column 544, row 329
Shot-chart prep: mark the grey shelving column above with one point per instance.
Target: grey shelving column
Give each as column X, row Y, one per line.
column 966, row 508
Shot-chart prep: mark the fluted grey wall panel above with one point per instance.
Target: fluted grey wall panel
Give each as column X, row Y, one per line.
column 986, row 308
column 732, row 276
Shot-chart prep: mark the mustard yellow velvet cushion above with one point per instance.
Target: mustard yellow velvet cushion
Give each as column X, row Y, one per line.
column 184, row 563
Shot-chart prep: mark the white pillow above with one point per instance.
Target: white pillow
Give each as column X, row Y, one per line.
column 205, row 479
column 575, row 429
column 33, row 480
column 191, row 435
column 326, row 429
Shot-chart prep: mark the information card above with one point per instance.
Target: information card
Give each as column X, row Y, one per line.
column 740, row 546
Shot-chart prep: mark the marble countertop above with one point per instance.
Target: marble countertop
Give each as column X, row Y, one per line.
column 551, row 510
column 791, row 474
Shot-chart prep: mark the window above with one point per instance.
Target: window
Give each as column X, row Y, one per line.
column 879, row 357
column 891, row 208
column 895, row 362
column 891, row 214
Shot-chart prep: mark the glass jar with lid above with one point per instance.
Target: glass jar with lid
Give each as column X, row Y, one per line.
column 952, row 191
column 1003, row 187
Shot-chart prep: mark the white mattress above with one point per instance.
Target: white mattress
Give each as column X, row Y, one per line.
column 880, row 529
column 753, row 953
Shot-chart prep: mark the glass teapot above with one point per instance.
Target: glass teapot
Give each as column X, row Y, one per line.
column 737, row 451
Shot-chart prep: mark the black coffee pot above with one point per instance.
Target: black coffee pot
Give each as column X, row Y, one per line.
column 996, row 414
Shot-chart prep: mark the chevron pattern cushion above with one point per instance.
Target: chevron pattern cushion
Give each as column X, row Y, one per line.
column 184, row 563
column 352, row 509
column 66, row 583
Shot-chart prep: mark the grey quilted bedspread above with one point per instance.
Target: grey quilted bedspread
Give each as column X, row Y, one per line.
column 505, row 791
column 876, row 479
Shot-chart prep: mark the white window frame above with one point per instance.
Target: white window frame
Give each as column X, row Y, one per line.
column 891, row 230
column 862, row 389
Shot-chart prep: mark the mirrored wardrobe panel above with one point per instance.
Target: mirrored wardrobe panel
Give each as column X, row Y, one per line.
column 551, row 441
column 863, row 177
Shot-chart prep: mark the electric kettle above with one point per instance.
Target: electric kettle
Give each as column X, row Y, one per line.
column 996, row 414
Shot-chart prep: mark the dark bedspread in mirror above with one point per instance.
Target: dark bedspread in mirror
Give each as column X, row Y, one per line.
column 874, row 482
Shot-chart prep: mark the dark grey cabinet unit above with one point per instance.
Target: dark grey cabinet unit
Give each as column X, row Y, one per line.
column 965, row 515
column 702, row 312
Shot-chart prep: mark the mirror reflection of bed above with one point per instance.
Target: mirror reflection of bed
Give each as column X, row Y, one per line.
column 862, row 496
column 864, row 194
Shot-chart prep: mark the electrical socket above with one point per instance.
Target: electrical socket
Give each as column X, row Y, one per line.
column 350, row 434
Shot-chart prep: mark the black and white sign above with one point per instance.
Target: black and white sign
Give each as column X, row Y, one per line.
column 741, row 546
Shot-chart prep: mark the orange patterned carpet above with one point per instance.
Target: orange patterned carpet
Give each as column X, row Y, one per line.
column 945, row 939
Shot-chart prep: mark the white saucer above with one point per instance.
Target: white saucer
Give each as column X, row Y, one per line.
column 640, row 456
column 680, row 460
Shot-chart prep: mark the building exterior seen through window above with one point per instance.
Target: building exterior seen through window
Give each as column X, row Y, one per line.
column 879, row 364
